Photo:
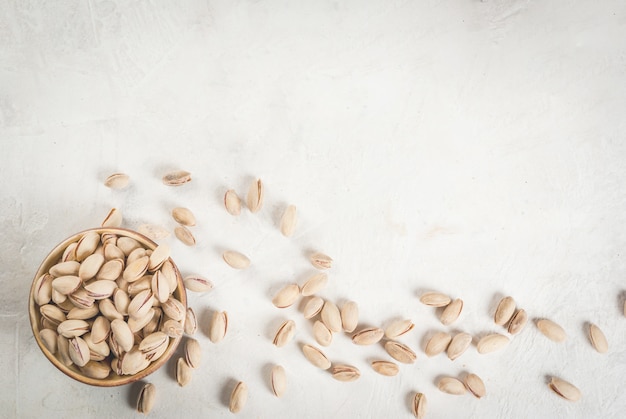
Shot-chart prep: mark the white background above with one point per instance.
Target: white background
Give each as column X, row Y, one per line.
column 471, row 147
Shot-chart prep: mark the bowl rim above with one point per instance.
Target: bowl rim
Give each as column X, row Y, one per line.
column 113, row 379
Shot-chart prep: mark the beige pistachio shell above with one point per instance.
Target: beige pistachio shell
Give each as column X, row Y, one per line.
column 147, row 397
column 183, row 372
column 491, row 343
column 238, row 397
column 236, row 259
column 285, row 333
column 218, row 326
column 518, row 321
column 400, row 352
column 197, row 283
column 451, row 385
column 475, row 385
column 551, row 330
column 183, row 234
column 565, row 389
column 113, row 218
column 504, row 311
column 313, row 307
column 184, row 216
column 368, row 336
column 387, row 368
column 256, row 195
column 193, row 353
column 458, row 345
column 598, row 339
column 232, row 202
column 176, row 178
column 437, row 343
column 345, row 372
column 322, row 334
column 278, row 380
column 191, row 322
column 117, row 181
column 451, row 312
column 286, row 296
column 435, row 299
column 316, row 357
column 314, row 284
column 321, row 260
column 349, row 316
column 399, row 328
column 419, row 405
column 288, row 221
column 331, row 316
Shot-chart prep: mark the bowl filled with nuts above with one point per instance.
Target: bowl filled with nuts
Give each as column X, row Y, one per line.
column 107, row 306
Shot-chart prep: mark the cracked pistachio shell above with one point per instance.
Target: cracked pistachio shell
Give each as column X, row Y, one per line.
column 518, row 321
column 191, row 322
column 65, row 285
column 236, row 260
column 49, row 339
column 193, row 353
column 597, row 339
column 286, row 296
column 183, row 234
column 136, row 269
column 176, row 178
column 349, row 316
column 285, row 333
column 113, row 218
column 197, row 283
column 451, row 312
column 387, row 368
column 368, row 336
column 158, row 257
column 278, row 380
column 400, row 352
column 218, row 326
column 97, row 370
column 111, row 270
column 87, row 245
column 238, row 397
column 160, row 287
column 491, row 343
column 419, row 405
column 437, row 343
column 314, row 284
column 345, row 373
column 184, row 216
column 331, row 316
column 256, row 195
column 100, row 289
column 123, row 334
column 65, row 268
column 313, row 307
column 139, row 305
column 100, row 329
column 565, row 389
column 172, row 328
column 322, row 334
column 451, row 385
column 398, row 328
column 288, row 221
column 117, row 181
column 174, row 309
column 43, row 289
column 72, row 328
column 147, row 397
column 504, row 311
column 458, row 345
column 79, row 351
column 475, row 385
column 551, row 330
column 315, row 356
column 435, row 299
column 321, row 260
column 232, row 202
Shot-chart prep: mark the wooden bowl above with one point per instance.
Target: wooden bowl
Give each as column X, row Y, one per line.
column 72, row 371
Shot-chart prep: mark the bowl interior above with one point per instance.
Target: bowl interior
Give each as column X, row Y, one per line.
column 35, row 316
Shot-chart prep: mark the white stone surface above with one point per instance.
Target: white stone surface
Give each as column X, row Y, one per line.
column 471, row 147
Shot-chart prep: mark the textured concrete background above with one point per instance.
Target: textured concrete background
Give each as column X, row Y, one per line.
column 471, row 147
